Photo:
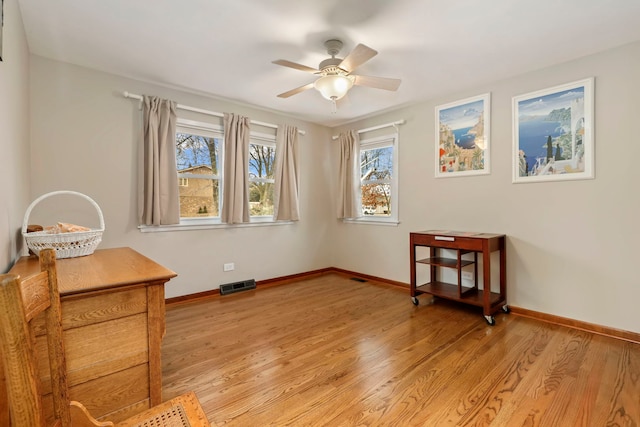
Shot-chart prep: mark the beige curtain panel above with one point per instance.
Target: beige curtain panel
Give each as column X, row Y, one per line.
column 287, row 175
column 158, row 200
column 349, row 178
column 235, row 203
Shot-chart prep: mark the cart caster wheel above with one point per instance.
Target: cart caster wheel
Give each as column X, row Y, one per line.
column 490, row 320
column 415, row 300
column 506, row 309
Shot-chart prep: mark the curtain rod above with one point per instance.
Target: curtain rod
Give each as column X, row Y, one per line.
column 207, row 112
column 394, row 124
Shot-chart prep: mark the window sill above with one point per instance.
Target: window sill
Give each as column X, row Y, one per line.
column 186, row 225
column 372, row 221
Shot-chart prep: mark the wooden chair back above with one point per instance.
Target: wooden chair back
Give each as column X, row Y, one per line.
column 21, row 300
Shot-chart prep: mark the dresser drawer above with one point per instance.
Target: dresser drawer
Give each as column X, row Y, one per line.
column 100, row 350
column 97, row 307
column 447, row 241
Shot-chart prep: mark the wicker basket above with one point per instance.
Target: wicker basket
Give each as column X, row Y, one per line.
column 66, row 245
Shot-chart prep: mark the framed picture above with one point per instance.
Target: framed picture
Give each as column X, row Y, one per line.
column 462, row 135
column 553, row 133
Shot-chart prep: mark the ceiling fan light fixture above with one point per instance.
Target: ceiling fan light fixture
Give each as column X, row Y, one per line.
column 333, row 86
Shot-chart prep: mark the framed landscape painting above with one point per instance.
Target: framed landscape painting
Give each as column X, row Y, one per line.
column 553, row 134
column 462, row 135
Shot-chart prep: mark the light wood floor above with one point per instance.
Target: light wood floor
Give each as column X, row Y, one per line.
column 333, row 351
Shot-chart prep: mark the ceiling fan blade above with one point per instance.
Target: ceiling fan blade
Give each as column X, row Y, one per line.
column 377, row 82
column 296, row 66
column 357, row 57
column 295, row 91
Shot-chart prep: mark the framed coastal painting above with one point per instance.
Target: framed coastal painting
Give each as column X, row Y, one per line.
column 553, row 133
column 462, row 135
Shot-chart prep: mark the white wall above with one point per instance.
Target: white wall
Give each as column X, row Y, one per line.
column 84, row 138
column 571, row 246
column 14, row 134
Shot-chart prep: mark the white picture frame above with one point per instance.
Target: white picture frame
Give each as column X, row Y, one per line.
column 463, row 143
column 553, row 133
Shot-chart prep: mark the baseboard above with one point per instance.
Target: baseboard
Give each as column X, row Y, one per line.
column 294, row 277
column 191, row 297
column 518, row 311
column 577, row 324
column 369, row 278
column 259, row 284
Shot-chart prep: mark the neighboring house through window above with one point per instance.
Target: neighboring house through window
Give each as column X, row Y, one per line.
column 199, row 166
column 198, row 158
column 379, row 178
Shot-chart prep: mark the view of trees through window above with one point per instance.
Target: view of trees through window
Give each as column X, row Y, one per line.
column 198, row 163
column 262, row 158
column 197, row 159
column 376, row 172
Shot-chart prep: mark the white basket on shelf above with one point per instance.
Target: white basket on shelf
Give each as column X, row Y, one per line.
column 66, row 245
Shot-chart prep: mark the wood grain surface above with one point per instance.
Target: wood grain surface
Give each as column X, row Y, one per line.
column 104, row 269
column 113, row 321
column 333, row 351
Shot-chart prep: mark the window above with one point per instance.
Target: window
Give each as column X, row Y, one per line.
column 199, row 166
column 198, row 163
column 262, row 159
column 378, row 178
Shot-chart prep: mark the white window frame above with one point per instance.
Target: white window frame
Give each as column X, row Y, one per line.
column 209, row 130
column 268, row 140
column 186, row 126
column 390, row 140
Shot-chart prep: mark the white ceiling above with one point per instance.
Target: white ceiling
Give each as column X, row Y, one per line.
column 224, row 48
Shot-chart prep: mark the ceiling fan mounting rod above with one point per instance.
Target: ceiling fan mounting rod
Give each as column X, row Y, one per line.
column 333, row 46
column 331, row 65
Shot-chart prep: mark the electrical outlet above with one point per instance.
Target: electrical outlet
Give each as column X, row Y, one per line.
column 228, row 266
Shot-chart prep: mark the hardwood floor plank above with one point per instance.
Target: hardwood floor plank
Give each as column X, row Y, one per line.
column 592, row 376
column 331, row 351
column 625, row 406
column 488, row 397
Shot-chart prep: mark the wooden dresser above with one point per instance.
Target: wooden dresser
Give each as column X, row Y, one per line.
column 113, row 320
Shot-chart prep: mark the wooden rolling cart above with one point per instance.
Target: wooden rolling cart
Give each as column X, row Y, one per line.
column 462, row 243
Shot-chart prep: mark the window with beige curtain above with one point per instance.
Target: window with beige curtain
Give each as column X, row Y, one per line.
column 287, row 180
column 199, row 152
column 224, row 173
column 348, row 182
column 157, row 181
column 368, row 178
column 235, row 203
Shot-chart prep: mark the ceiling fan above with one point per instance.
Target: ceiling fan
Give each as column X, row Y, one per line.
column 336, row 76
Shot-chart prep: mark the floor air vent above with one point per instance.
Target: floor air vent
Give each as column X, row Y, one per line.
column 358, row 279
column 245, row 285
